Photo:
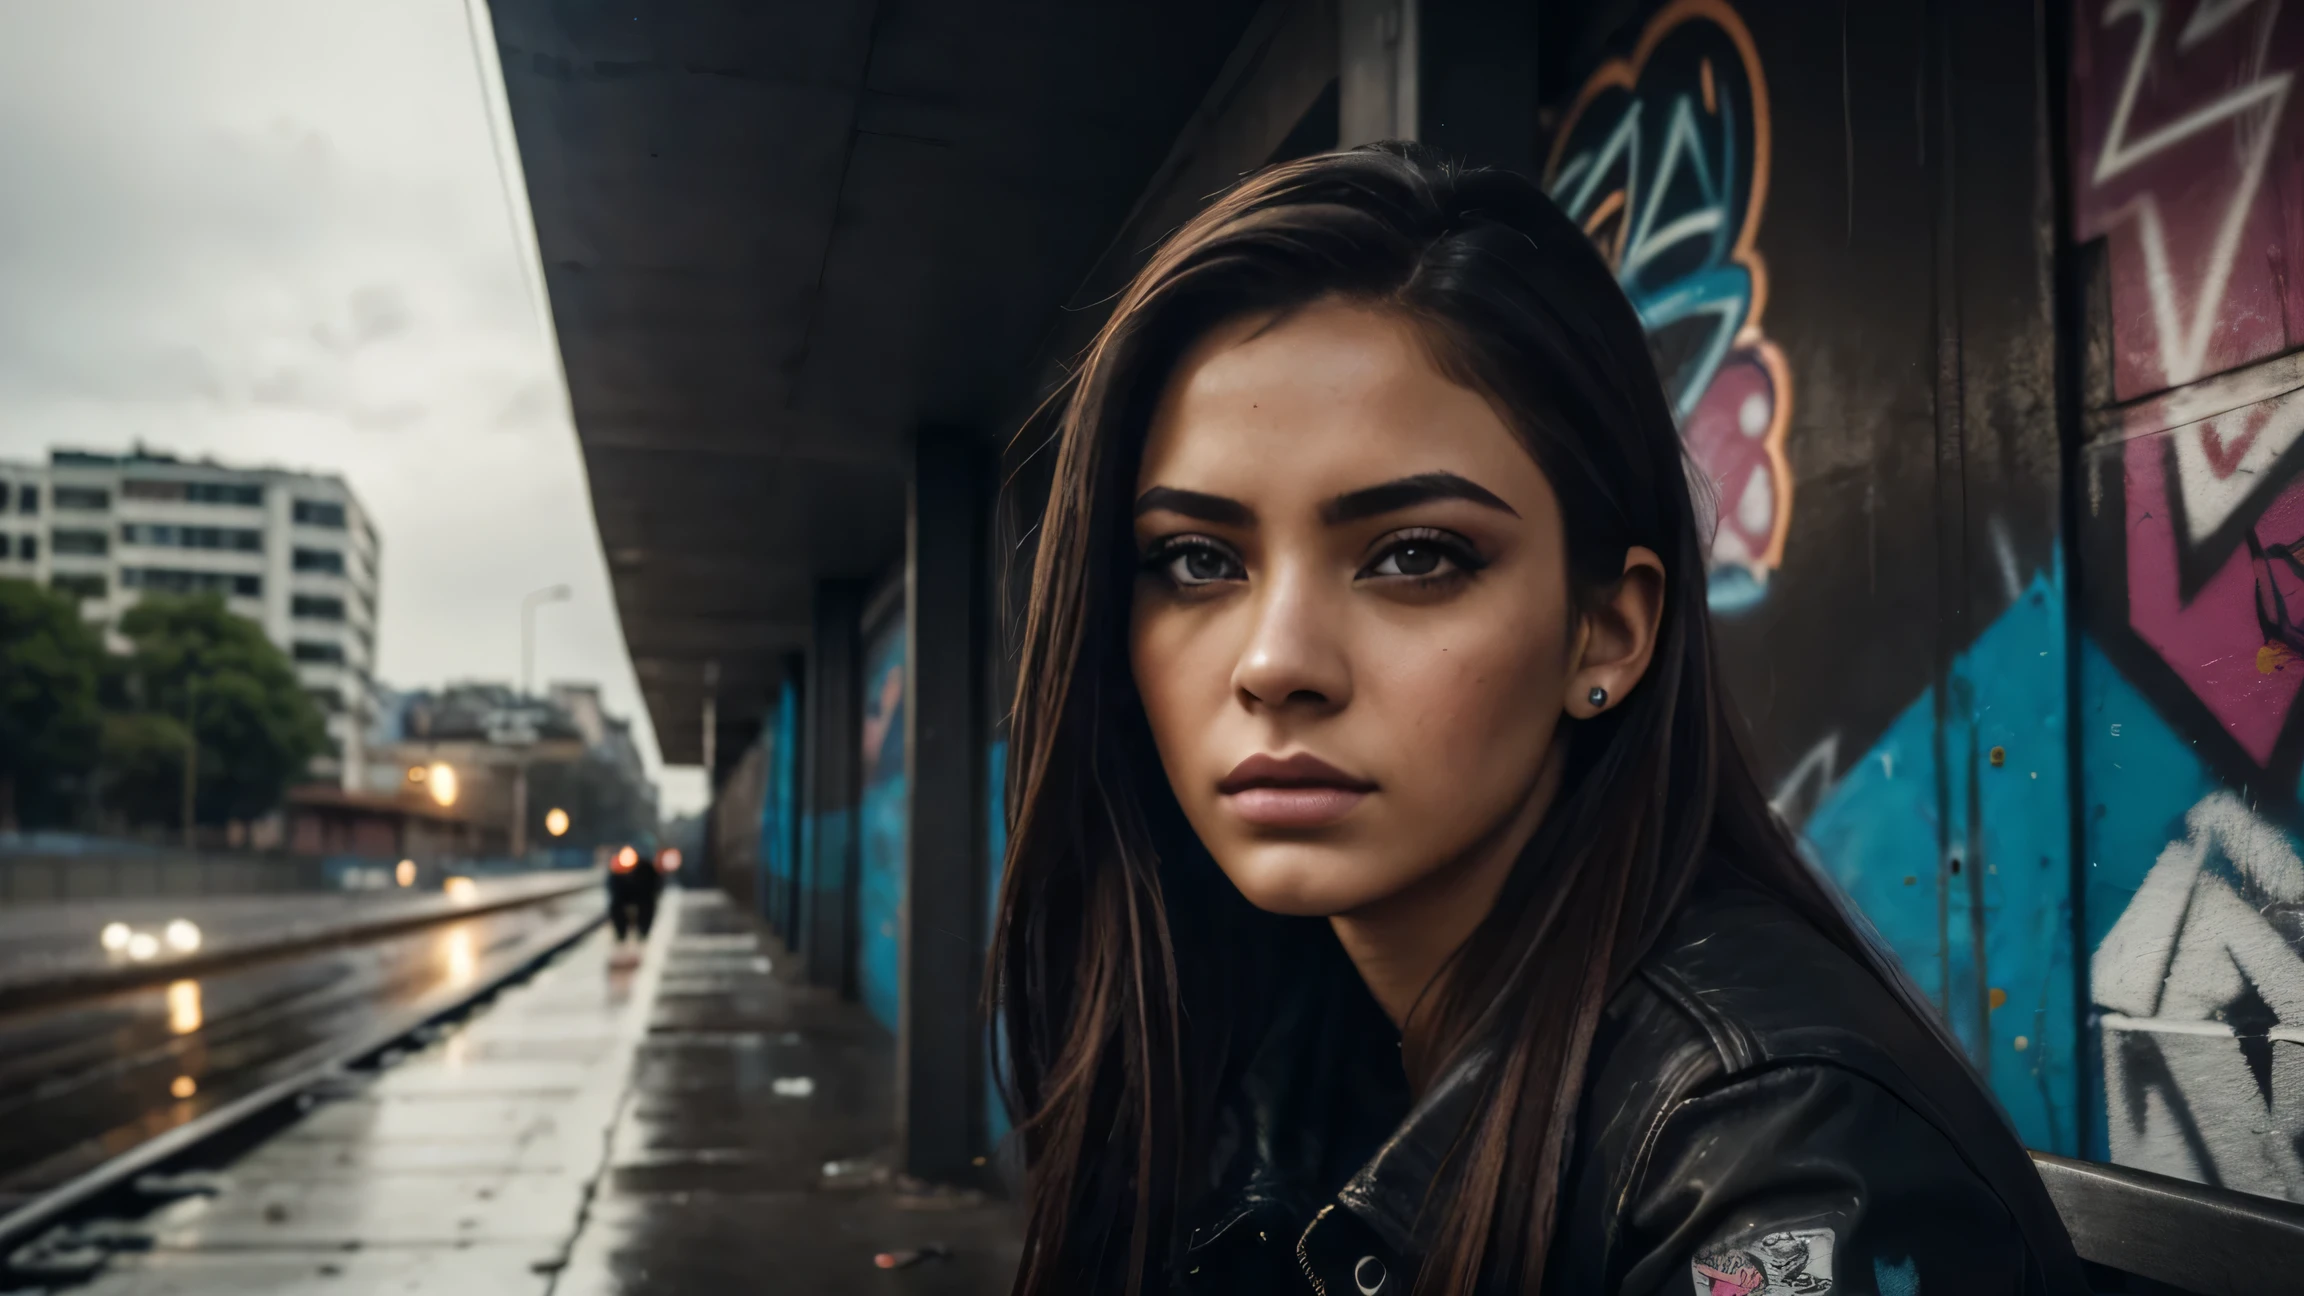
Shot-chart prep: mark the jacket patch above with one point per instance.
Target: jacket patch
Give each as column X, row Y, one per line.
column 1797, row 1262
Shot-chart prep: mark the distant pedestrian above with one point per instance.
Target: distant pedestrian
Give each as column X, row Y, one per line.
column 633, row 883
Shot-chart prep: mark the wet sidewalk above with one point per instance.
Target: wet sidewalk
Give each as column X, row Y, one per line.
column 601, row 1129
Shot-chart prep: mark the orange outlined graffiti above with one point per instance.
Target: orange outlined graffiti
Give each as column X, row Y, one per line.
column 1663, row 158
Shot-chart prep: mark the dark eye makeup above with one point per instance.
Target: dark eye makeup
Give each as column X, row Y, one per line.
column 1423, row 557
column 1192, row 561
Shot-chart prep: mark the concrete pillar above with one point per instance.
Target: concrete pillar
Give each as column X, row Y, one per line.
column 940, row 1069
column 826, row 927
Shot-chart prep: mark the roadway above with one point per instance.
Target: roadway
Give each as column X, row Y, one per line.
column 88, row 1079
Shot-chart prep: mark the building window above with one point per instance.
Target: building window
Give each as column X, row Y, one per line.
column 89, row 543
column 320, row 560
column 316, row 607
column 3, row 497
column 79, row 586
column 28, row 548
column 319, row 513
column 306, row 650
column 3, row 544
column 222, row 493
column 169, row 580
column 89, row 498
column 237, row 539
column 328, row 699
column 191, row 492
column 27, row 499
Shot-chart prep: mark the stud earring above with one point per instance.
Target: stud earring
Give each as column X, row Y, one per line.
column 1597, row 697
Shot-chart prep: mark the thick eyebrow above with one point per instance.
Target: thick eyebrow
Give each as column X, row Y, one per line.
column 1392, row 496
column 1195, row 504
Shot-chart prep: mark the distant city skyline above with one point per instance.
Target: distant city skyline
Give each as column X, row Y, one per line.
column 274, row 232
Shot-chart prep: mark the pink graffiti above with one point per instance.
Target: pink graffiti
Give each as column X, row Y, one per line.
column 2190, row 161
column 1735, row 435
column 2227, row 643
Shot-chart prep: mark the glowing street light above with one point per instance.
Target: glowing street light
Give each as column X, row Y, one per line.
column 143, row 947
column 668, row 860
column 115, row 937
column 182, row 935
column 405, row 873
column 627, row 860
column 441, row 778
column 556, row 822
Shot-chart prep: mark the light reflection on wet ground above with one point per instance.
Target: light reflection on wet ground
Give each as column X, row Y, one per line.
column 601, row 1129
column 85, row 1081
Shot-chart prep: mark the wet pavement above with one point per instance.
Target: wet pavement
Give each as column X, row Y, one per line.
column 601, row 1129
column 85, row 1081
column 48, row 940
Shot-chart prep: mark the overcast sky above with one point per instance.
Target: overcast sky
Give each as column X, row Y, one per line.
column 274, row 231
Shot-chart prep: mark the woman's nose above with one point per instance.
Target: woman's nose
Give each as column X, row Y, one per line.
column 1294, row 655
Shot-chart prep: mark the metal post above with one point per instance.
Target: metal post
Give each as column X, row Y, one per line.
column 520, row 808
column 528, row 605
column 711, row 722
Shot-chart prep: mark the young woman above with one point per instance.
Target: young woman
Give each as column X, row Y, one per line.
column 1389, row 906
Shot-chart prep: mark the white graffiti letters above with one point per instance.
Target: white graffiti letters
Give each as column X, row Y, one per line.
column 2202, row 985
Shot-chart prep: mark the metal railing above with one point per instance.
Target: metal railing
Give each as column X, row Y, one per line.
column 2175, row 1235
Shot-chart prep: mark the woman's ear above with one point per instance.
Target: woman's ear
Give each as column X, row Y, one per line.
column 1617, row 636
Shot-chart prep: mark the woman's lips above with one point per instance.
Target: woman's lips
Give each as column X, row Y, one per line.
column 1299, row 791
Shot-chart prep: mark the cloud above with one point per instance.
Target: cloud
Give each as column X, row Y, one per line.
column 273, row 231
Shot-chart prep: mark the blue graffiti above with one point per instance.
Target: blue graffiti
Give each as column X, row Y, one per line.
column 1907, row 827
column 884, row 818
column 1899, row 1279
column 1663, row 163
column 1696, row 191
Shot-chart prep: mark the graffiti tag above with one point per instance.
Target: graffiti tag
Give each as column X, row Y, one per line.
column 1663, row 159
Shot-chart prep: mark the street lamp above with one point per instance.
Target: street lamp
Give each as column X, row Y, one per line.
column 556, row 822
column 528, row 605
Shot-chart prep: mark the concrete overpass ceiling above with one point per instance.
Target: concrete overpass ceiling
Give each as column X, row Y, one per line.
column 781, row 239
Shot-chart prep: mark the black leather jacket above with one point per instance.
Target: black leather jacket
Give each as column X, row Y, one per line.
column 1759, row 1119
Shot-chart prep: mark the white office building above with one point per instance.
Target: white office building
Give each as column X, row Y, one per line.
column 293, row 552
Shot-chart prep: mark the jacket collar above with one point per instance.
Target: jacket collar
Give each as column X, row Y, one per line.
column 1388, row 1193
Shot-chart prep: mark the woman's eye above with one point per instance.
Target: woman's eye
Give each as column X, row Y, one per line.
column 1410, row 559
column 1415, row 558
column 1200, row 565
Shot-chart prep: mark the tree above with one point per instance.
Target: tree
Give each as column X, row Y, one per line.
column 50, row 661
column 191, row 660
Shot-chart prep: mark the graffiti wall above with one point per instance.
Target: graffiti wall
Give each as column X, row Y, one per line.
column 1858, row 344
column 883, row 818
column 2188, row 188
column 779, row 838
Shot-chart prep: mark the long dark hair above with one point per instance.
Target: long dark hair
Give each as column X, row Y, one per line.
column 1125, row 969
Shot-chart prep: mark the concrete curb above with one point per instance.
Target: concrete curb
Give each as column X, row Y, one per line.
column 49, row 990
